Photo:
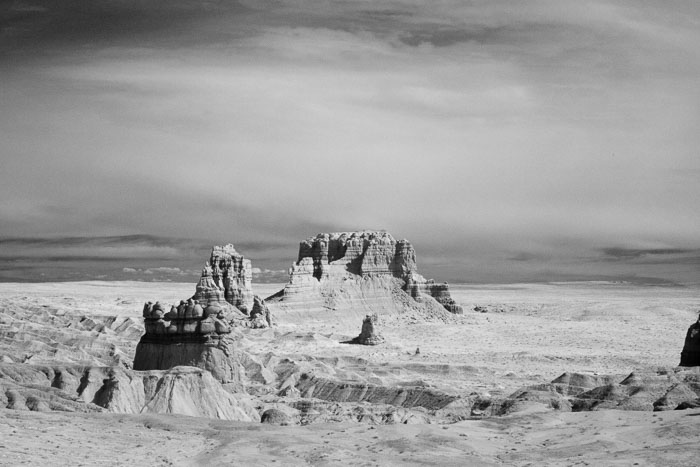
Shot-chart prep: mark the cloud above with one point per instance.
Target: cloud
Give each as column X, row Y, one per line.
column 494, row 128
column 109, row 247
column 631, row 253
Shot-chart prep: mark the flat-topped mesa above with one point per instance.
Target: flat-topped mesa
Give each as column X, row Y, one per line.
column 367, row 253
column 226, row 278
column 329, row 257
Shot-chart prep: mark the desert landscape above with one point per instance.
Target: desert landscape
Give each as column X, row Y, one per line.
column 349, row 232
column 519, row 374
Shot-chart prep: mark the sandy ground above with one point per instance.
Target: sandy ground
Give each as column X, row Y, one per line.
column 531, row 334
column 590, row 438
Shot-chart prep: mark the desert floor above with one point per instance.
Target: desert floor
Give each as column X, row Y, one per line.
column 530, row 334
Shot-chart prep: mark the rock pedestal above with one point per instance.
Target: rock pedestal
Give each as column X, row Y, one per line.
column 369, row 334
column 690, row 356
column 260, row 314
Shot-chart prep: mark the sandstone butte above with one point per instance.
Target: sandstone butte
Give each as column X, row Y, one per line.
column 356, row 274
column 349, row 274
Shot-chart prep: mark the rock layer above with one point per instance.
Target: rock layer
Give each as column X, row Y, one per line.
column 214, row 353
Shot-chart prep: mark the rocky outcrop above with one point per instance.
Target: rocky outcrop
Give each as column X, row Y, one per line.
column 651, row 390
column 356, row 271
column 214, row 353
column 197, row 332
column 573, row 384
column 275, row 417
column 369, row 334
column 312, row 386
column 190, row 335
column 226, row 278
column 182, row 390
column 260, row 314
column 690, row 356
column 534, row 398
column 416, row 286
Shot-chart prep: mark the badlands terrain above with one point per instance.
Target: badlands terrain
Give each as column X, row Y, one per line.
column 463, row 371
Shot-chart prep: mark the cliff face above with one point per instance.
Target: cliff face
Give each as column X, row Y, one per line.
column 347, row 269
column 365, row 253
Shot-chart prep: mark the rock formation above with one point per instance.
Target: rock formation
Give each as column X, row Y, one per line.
column 360, row 271
column 260, row 314
column 369, row 334
column 226, row 278
column 197, row 332
column 645, row 390
column 690, row 356
column 182, row 390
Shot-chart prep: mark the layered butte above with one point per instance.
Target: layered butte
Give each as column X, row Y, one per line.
column 360, row 273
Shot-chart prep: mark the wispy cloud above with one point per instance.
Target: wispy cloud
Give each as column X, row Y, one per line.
column 498, row 127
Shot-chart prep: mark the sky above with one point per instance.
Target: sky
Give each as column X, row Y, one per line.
column 507, row 140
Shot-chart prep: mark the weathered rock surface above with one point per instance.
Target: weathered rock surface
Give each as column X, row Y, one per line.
column 662, row 389
column 312, row 386
column 275, row 417
column 690, row 356
column 358, row 272
column 213, row 352
column 226, row 278
column 260, row 314
column 181, row 390
column 197, row 332
column 534, row 398
column 369, row 334
column 573, row 384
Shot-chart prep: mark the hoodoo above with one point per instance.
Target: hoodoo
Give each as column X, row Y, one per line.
column 369, row 334
column 197, row 332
